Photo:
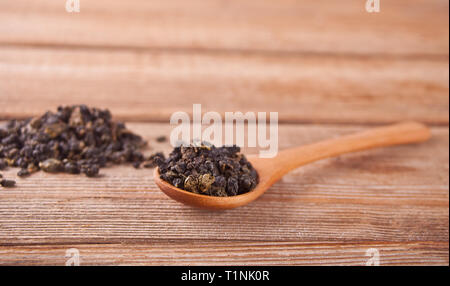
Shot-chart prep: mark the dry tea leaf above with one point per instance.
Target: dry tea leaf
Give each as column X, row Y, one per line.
column 51, row 166
column 209, row 170
column 7, row 183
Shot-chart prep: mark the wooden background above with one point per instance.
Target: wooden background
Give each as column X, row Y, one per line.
column 328, row 67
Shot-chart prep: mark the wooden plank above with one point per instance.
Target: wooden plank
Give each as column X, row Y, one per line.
column 403, row 27
column 150, row 86
column 397, row 194
column 230, row 253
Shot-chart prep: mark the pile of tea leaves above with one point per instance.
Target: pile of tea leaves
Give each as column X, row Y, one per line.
column 209, row 170
column 74, row 139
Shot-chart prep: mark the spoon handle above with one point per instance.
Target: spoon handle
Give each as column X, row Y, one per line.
column 396, row 134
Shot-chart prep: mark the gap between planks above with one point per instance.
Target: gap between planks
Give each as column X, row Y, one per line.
column 222, row 52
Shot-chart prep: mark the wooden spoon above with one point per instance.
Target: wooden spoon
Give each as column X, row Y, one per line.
column 271, row 170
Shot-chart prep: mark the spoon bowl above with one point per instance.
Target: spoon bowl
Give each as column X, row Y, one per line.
column 270, row 170
column 217, row 203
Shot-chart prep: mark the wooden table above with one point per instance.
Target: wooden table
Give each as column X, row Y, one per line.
column 327, row 67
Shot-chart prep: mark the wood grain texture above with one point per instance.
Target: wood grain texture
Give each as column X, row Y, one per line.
column 139, row 85
column 406, row 27
column 238, row 253
column 398, row 194
column 321, row 61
